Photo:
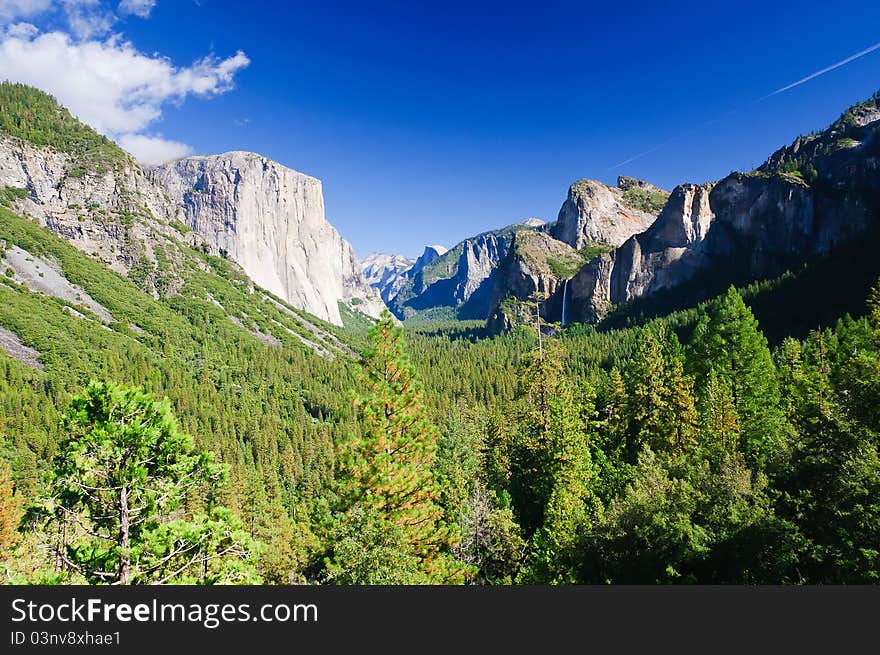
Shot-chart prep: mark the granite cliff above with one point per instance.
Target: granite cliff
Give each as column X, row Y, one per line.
column 386, row 273
column 595, row 213
column 269, row 219
column 807, row 199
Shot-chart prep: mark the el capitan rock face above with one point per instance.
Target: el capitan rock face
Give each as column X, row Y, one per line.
column 269, row 219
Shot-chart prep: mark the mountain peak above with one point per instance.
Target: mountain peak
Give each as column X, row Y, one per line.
column 439, row 250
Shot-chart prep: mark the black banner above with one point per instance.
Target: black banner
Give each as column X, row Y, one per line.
column 422, row 619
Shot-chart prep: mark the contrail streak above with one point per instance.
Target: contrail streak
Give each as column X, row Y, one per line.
column 646, row 152
column 811, row 76
column 830, row 68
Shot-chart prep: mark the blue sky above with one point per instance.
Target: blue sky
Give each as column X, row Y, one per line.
column 429, row 122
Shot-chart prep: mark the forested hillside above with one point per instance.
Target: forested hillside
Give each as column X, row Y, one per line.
column 261, row 399
column 215, row 434
column 620, row 456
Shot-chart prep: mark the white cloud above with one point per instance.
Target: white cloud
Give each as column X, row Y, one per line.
column 87, row 18
column 111, row 85
column 21, row 30
column 153, row 150
column 140, row 8
column 13, row 9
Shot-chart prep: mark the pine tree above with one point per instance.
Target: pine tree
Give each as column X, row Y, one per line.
column 573, row 507
column 386, row 480
column 615, row 414
column 648, row 409
column 874, row 311
column 10, row 513
column 727, row 339
column 552, row 476
column 681, row 405
column 662, row 406
column 538, row 422
column 720, row 421
column 121, row 480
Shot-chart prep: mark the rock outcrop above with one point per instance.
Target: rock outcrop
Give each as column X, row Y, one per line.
column 429, row 254
column 646, row 262
column 460, row 279
column 113, row 212
column 808, row 198
column 535, row 264
column 269, row 219
column 595, row 213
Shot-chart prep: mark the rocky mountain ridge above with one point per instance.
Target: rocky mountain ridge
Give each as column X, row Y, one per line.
column 595, row 213
column 460, row 279
column 807, row 199
column 386, row 273
column 117, row 215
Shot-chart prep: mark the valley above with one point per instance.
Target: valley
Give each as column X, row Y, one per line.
column 655, row 387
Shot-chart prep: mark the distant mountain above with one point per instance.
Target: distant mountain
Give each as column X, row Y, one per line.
column 468, row 281
column 458, row 281
column 386, row 273
column 429, row 254
column 593, row 218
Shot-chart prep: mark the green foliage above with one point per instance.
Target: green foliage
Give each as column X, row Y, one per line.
column 609, row 454
column 386, row 484
column 805, row 158
column 10, row 194
column 566, row 266
column 270, row 413
column 650, row 201
column 113, row 511
column 662, row 412
column 180, row 227
column 10, row 513
column 728, row 342
column 36, row 117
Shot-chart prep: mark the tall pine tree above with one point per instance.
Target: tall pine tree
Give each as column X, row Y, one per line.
column 388, row 526
column 727, row 340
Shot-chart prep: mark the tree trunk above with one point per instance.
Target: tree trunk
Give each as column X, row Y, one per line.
column 124, row 528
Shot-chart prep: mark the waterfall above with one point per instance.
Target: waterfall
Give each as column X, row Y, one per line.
column 564, row 302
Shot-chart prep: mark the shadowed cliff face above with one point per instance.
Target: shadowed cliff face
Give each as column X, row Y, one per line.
column 270, row 220
column 460, row 279
column 528, row 269
column 747, row 226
